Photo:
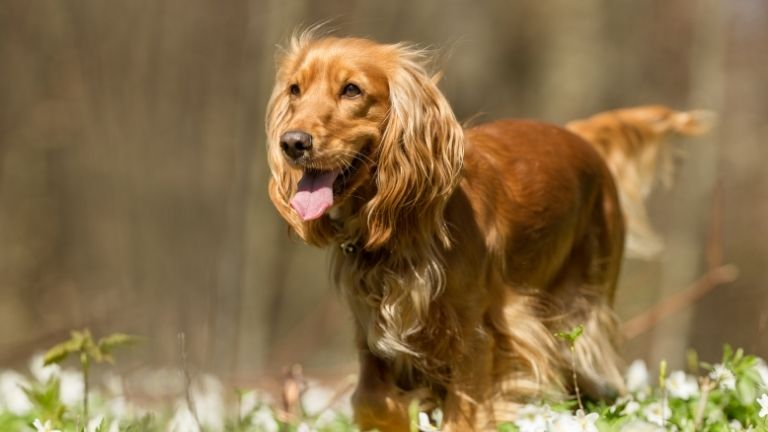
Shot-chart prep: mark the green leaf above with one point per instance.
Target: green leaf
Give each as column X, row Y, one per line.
column 12, row 422
column 692, row 360
column 738, row 356
column 116, row 340
column 413, row 414
column 102, row 427
column 727, row 353
column 143, row 424
column 81, row 337
column 59, row 352
column 572, row 335
column 507, row 427
column 746, row 391
column 95, row 353
column 45, row 399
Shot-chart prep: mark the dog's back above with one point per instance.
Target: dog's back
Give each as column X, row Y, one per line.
column 536, row 186
column 638, row 146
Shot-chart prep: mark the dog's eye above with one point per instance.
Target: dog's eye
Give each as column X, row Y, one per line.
column 350, row 91
column 295, row 90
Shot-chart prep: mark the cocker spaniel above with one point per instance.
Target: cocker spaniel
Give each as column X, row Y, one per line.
column 460, row 251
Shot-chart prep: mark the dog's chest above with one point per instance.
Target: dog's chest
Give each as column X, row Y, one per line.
column 367, row 303
column 400, row 314
column 381, row 302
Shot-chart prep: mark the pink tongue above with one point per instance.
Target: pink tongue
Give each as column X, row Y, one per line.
column 314, row 195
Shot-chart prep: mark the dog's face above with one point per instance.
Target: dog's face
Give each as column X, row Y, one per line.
column 335, row 99
column 358, row 125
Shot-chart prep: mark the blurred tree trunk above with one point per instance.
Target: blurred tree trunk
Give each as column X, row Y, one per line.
column 687, row 226
column 570, row 59
column 266, row 246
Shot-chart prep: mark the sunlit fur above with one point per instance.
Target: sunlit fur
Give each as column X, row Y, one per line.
column 636, row 145
column 418, row 150
column 459, row 252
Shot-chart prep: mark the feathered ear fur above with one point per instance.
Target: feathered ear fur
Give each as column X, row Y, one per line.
column 419, row 161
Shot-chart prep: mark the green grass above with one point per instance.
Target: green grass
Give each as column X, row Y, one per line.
column 728, row 396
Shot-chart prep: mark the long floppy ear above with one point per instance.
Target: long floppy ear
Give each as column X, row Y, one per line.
column 419, row 161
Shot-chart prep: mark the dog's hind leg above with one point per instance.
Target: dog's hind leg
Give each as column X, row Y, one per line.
column 584, row 291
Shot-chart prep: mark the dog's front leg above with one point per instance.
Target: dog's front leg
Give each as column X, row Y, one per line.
column 377, row 402
column 467, row 405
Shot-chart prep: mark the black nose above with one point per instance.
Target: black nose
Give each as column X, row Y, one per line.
column 296, row 144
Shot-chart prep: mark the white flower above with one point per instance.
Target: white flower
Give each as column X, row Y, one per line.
column 117, row 407
column 437, row 416
column 326, row 419
column 40, row 371
column 264, row 420
column 532, row 418
column 638, row 378
column 621, row 400
column 640, row 426
column 682, row 386
column 723, row 377
column 303, row 427
column 248, row 402
column 425, row 424
column 208, row 397
column 627, row 404
column 183, row 420
column 12, row 396
column 763, row 401
column 563, row 422
column 736, row 426
column 630, row 408
column 252, row 400
column 44, row 427
column 715, row 415
column 94, row 423
column 586, row 422
column 316, row 398
column 762, row 370
column 656, row 415
column 71, row 388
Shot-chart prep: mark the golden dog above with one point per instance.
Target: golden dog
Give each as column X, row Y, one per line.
column 459, row 251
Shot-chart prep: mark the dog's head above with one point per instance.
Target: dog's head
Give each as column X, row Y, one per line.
column 359, row 129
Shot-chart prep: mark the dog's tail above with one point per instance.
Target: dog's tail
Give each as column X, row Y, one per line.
column 636, row 144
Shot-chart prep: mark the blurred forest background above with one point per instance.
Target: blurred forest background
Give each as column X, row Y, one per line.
column 133, row 177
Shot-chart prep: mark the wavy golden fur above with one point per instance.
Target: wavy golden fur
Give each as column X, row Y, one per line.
column 460, row 252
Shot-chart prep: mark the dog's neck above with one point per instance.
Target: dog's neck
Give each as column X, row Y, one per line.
column 346, row 223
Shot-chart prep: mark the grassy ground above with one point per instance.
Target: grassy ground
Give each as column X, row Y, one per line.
column 728, row 396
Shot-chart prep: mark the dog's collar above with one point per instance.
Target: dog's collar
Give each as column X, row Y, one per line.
column 349, row 243
column 349, row 247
